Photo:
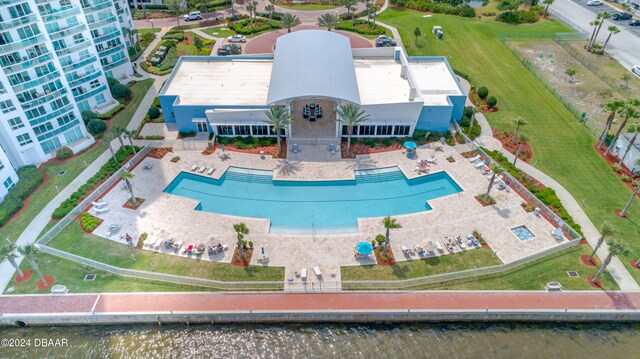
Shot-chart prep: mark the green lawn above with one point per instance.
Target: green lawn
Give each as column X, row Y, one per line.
column 73, row 166
column 142, row 31
column 562, row 148
column 218, row 32
column 422, row 267
column 309, row 7
column 74, row 240
column 71, row 275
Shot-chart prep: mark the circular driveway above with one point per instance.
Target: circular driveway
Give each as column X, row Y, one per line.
column 264, row 44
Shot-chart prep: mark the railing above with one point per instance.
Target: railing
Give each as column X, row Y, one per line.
column 21, row 44
column 74, row 48
column 73, row 30
column 42, row 99
column 115, row 64
column 82, row 96
column 110, row 50
column 81, row 62
column 73, row 82
column 5, row 25
column 51, row 115
column 28, row 63
column 39, row 81
column 61, row 14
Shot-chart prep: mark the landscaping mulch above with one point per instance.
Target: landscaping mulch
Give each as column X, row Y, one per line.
column 526, row 153
column 388, row 260
column 268, row 150
column 480, row 199
column 133, row 206
column 633, row 264
column 597, row 285
column 242, row 262
column 159, row 153
column 50, row 280
column 590, row 263
column 27, row 275
column 362, row 149
column 624, row 171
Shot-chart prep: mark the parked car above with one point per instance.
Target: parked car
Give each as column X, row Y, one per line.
column 636, row 70
column 634, row 23
column 594, row 2
column 229, row 49
column 237, row 38
column 621, row 16
column 384, row 40
column 194, row 15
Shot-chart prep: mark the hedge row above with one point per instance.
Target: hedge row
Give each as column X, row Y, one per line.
column 245, row 27
column 89, row 222
column 111, row 113
column 361, row 27
column 105, row 172
column 464, row 10
column 518, row 17
column 248, row 142
column 29, row 178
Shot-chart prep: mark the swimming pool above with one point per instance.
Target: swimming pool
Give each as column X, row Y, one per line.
column 523, row 232
column 313, row 206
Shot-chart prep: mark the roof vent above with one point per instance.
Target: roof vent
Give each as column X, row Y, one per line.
column 403, row 71
column 413, row 93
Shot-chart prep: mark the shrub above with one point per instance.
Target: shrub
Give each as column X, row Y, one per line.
column 380, row 238
column 492, row 101
column 29, row 178
column 452, row 8
column 468, row 112
column 185, row 134
column 96, row 126
column 121, row 91
column 245, row 27
column 88, row 115
column 156, row 102
column 153, row 112
column 518, row 17
column 8, row 208
column 483, row 92
column 88, row 222
column 361, row 27
column 170, row 61
column 63, row 153
column 111, row 113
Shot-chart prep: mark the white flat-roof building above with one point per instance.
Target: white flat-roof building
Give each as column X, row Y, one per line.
column 313, row 72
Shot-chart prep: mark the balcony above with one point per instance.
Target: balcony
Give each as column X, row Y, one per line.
column 77, row 80
column 6, row 25
column 82, row 62
column 51, row 115
column 105, row 37
column 115, row 64
column 61, row 13
column 59, row 130
column 70, row 31
column 39, row 81
column 28, row 63
column 96, row 6
column 21, row 44
column 111, row 50
column 43, row 99
column 99, row 23
column 75, row 48
column 91, row 93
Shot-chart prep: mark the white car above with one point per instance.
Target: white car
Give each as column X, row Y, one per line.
column 195, row 15
column 594, row 2
column 636, row 70
column 237, row 38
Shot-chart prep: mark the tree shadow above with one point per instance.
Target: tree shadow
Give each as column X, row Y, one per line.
column 286, row 167
column 502, row 212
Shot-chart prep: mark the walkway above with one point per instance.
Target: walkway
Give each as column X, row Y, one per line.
column 591, row 233
column 38, row 224
column 194, row 303
column 145, row 75
column 265, row 43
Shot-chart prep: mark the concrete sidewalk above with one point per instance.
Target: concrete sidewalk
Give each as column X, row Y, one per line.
column 591, row 233
column 38, row 224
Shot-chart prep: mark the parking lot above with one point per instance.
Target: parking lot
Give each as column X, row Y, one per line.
column 622, row 24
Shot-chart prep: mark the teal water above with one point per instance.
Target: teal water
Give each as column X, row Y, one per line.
column 448, row 341
column 321, row 206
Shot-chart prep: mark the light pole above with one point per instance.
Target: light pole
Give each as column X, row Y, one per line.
column 153, row 29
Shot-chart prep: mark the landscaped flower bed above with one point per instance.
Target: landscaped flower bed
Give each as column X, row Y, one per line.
column 526, row 153
column 384, row 260
column 361, row 27
column 251, row 145
column 238, row 261
column 248, row 27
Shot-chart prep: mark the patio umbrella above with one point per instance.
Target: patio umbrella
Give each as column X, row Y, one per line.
column 430, row 247
column 262, row 250
column 364, row 248
column 410, row 145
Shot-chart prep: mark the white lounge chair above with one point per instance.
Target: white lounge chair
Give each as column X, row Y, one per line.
column 195, row 166
column 303, row 274
column 431, row 159
column 474, row 159
column 100, row 203
column 210, row 171
column 557, row 233
column 148, row 165
column 316, row 271
column 202, row 169
column 480, row 164
column 101, row 209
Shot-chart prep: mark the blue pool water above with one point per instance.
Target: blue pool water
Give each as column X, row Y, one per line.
column 320, row 206
column 522, row 232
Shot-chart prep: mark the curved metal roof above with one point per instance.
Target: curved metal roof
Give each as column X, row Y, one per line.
column 313, row 63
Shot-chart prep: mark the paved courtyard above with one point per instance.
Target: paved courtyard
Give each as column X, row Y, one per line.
column 164, row 215
column 264, row 44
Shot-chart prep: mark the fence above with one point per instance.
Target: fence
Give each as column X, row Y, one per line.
column 594, row 128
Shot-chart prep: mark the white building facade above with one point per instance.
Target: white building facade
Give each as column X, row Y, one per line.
column 8, row 175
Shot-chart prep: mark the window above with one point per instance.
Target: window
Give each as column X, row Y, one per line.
column 94, row 84
column 73, row 134
column 45, row 127
column 28, row 31
column 36, row 112
column 242, row 130
column 354, row 130
column 19, row 10
column 366, row 130
column 1, row 165
column 384, row 130
column 225, row 130
column 283, row 132
column 5, row 38
column 24, row 139
column 16, row 123
column 260, row 130
column 59, row 45
column 401, row 130
column 78, row 38
column 61, row 102
column 8, row 183
column 10, row 59
column 19, row 78
column 7, row 106
column 100, row 99
column 50, row 145
column 63, row 120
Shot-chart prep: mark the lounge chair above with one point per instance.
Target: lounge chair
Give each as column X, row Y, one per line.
column 100, row 203
column 148, row 165
column 101, row 209
column 474, row 159
column 480, row 164
column 195, row 166
column 210, row 171
column 203, row 168
column 303, row 274
column 431, row 159
column 316, row 271
column 557, row 233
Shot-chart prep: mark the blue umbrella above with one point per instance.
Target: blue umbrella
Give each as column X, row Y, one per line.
column 410, row 145
column 222, row 148
column 262, row 250
column 364, row 248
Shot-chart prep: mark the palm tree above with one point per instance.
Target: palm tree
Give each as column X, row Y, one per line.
column 616, row 248
column 279, row 118
column 635, row 193
column 595, row 24
column 473, row 117
column 496, row 172
column 519, row 122
column 130, row 135
column 348, row 4
column 417, row 34
column 8, row 252
column 107, row 138
column 328, row 20
column 546, row 9
column 602, row 16
column 127, row 176
column 630, row 110
column 290, row 21
column 607, row 230
column 241, row 230
column 374, row 12
column 269, row 8
column 389, row 223
column 251, row 8
column 30, row 252
column 117, row 132
column 613, row 30
column 176, row 7
column 635, row 128
column 350, row 115
column 612, row 107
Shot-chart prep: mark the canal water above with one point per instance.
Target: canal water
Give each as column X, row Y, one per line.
column 330, row 341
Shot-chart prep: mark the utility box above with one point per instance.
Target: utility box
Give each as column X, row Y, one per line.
column 437, row 30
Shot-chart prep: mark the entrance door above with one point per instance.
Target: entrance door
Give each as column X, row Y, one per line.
column 202, row 127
